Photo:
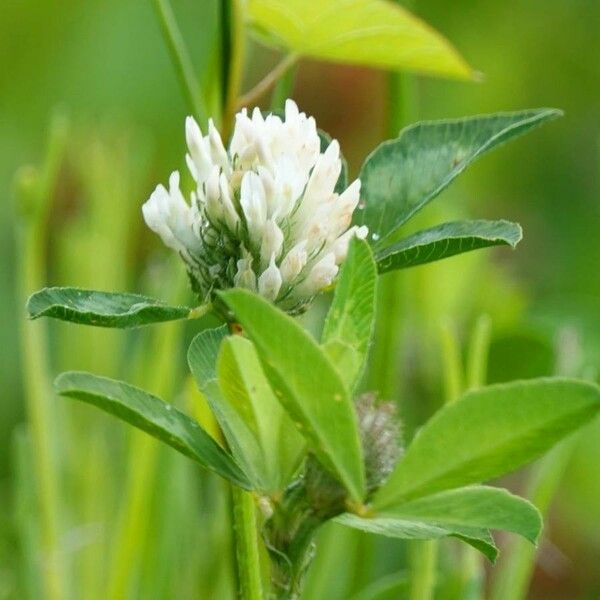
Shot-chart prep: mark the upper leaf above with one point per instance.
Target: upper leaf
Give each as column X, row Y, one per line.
column 416, row 529
column 488, row 433
column 475, row 506
column 447, row 240
column 400, row 176
column 152, row 415
column 350, row 321
column 101, row 309
column 374, row 33
column 307, row 385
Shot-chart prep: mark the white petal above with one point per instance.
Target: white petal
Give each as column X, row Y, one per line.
column 199, row 150
column 293, row 262
column 254, row 205
column 320, row 276
column 169, row 215
column 269, row 283
column 217, row 150
column 272, row 241
column 340, row 245
column 231, row 216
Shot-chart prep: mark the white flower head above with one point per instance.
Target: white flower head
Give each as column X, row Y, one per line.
column 265, row 214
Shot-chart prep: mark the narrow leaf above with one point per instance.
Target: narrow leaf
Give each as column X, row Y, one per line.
column 350, row 321
column 307, row 385
column 374, row 33
column 476, row 506
column 447, row 240
column 102, row 309
column 152, row 415
column 414, row 529
column 202, row 359
column 402, row 175
column 488, row 433
column 245, row 387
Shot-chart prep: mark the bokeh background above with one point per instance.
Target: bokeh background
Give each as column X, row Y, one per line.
column 103, row 67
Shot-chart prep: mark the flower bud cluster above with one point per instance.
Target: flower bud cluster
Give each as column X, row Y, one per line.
column 264, row 214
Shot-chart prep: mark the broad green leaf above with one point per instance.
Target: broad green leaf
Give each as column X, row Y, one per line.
column 202, row 359
column 374, row 33
column 307, row 385
column 476, row 506
column 488, row 433
column 152, row 415
column 349, row 325
column 102, row 309
column 414, row 529
column 447, row 240
column 246, row 389
column 402, row 175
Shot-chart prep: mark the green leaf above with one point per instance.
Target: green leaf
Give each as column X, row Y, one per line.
column 202, row 359
column 475, row 506
column 488, row 433
column 102, row 309
column 447, row 240
column 374, row 33
column 150, row 414
column 244, row 386
column 414, row 529
column 402, row 175
column 349, row 325
column 307, row 385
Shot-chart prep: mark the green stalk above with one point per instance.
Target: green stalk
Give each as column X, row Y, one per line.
column 34, row 194
column 471, row 568
column 181, row 59
column 423, row 559
column 514, row 574
column 236, row 63
column 423, row 554
column 247, row 544
column 283, row 88
column 160, row 369
column 452, row 371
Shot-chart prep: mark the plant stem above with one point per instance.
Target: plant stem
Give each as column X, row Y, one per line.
column 34, row 194
column 181, row 59
column 283, row 88
column 423, row 558
column 267, row 82
column 477, row 358
column 246, row 541
column 452, row 371
column 513, row 577
column 159, row 370
column 236, row 64
column 471, row 570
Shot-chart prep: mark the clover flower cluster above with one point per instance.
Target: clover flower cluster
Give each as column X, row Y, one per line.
column 264, row 214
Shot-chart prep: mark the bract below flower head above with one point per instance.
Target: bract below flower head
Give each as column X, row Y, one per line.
column 264, row 214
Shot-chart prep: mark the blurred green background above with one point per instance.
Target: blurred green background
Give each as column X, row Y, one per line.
column 104, row 64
